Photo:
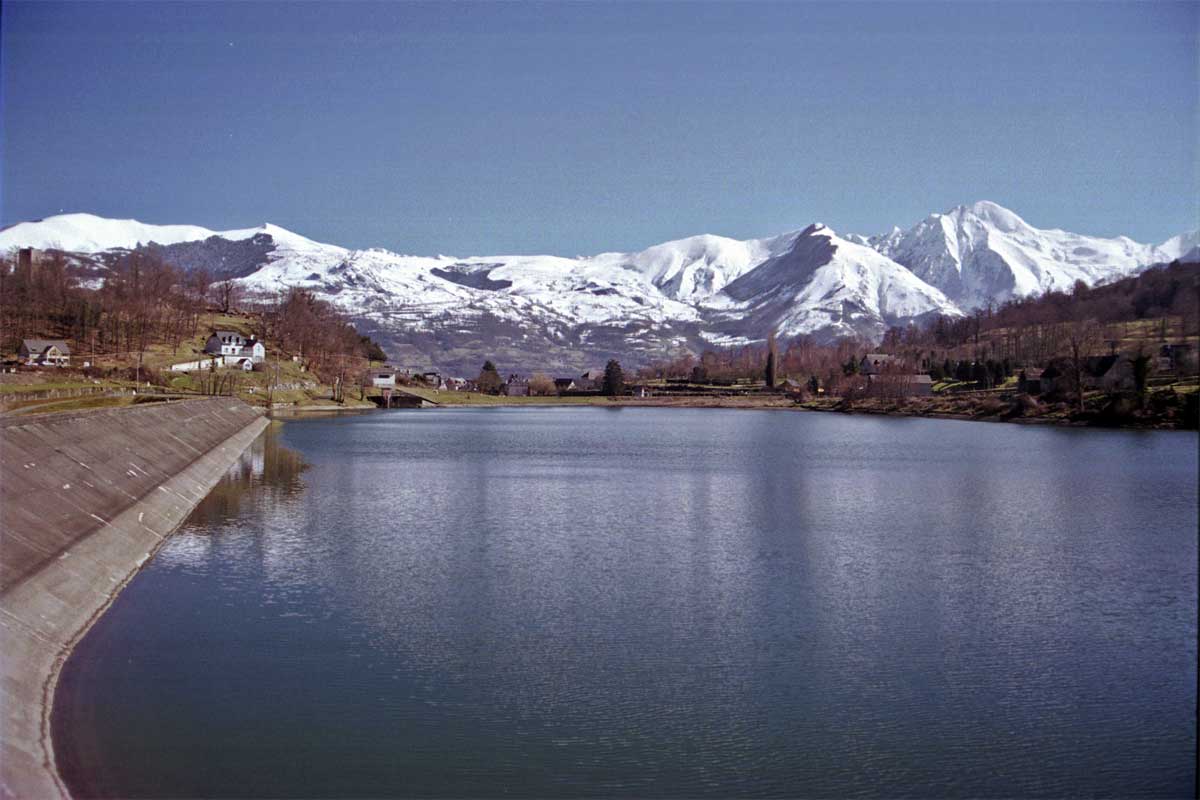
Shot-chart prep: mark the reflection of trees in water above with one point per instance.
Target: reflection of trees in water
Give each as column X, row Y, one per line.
column 266, row 474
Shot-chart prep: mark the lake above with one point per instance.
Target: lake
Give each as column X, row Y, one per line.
column 658, row 602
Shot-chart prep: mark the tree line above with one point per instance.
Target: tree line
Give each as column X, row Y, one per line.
column 985, row 347
column 143, row 300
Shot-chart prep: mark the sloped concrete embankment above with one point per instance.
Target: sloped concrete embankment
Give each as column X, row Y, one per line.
column 85, row 500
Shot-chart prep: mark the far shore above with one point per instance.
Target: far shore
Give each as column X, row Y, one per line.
column 1100, row 412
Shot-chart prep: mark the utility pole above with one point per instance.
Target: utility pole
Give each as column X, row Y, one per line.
column 271, row 386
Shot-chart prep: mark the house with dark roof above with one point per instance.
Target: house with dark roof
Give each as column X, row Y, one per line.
column 589, row 382
column 1029, row 381
column 1056, row 377
column 1112, row 373
column 44, row 353
column 235, row 348
column 873, row 363
column 516, row 386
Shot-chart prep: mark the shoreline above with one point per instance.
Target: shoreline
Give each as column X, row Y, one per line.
column 779, row 403
column 45, row 613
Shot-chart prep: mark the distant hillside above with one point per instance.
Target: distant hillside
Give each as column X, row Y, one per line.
column 683, row 296
column 1162, row 291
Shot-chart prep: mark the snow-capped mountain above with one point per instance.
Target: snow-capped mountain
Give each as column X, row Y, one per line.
column 984, row 253
column 828, row 286
column 549, row 312
column 88, row 233
column 694, row 268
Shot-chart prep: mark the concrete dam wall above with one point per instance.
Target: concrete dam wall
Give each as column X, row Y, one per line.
column 85, row 500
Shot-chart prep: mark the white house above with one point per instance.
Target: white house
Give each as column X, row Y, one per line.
column 225, row 343
column 44, row 353
column 381, row 379
column 235, row 347
column 227, row 349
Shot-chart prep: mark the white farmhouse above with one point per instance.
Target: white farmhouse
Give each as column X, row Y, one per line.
column 227, row 349
column 236, row 348
column 44, row 352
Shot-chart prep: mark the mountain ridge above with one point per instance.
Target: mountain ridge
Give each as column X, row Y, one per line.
column 691, row 293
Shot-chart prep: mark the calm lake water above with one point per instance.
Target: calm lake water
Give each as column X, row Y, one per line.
column 589, row 601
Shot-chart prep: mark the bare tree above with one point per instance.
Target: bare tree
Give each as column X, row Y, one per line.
column 227, row 294
column 541, row 385
column 1081, row 337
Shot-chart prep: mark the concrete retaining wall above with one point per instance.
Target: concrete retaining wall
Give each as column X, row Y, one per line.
column 85, row 500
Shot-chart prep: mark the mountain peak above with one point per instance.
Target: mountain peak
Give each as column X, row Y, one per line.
column 818, row 228
column 992, row 213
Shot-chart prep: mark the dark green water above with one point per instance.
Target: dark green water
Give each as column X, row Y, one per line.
column 565, row 602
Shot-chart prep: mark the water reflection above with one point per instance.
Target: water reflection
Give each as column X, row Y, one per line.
column 267, row 474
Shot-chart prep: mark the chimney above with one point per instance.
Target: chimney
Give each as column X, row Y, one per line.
column 25, row 259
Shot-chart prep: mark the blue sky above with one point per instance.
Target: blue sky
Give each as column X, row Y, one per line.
column 575, row 128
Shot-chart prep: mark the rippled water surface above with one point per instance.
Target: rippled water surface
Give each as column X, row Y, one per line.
column 564, row 602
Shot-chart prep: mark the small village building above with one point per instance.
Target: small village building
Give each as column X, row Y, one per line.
column 225, row 343
column 44, row 353
column 1056, row 377
column 793, row 388
column 1176, row 358
column 589, row 382
column 236, row 349
column 1111, row 373
column 899, row 384
column 225, row 348
column 1029, row 381
column 380, row 378
column 516, row 386
column 873, row 363
column 920, row 385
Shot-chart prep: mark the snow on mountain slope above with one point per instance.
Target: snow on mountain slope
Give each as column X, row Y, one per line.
column 984, row 253
column 88, row 233
column 826, row 286
column 570, row 292
column 1178, row 246
column 529, row 312
column 699, row 266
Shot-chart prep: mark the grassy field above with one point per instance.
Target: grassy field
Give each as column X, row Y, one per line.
column 70, row 404
column 448, row 398
column 75, row 382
